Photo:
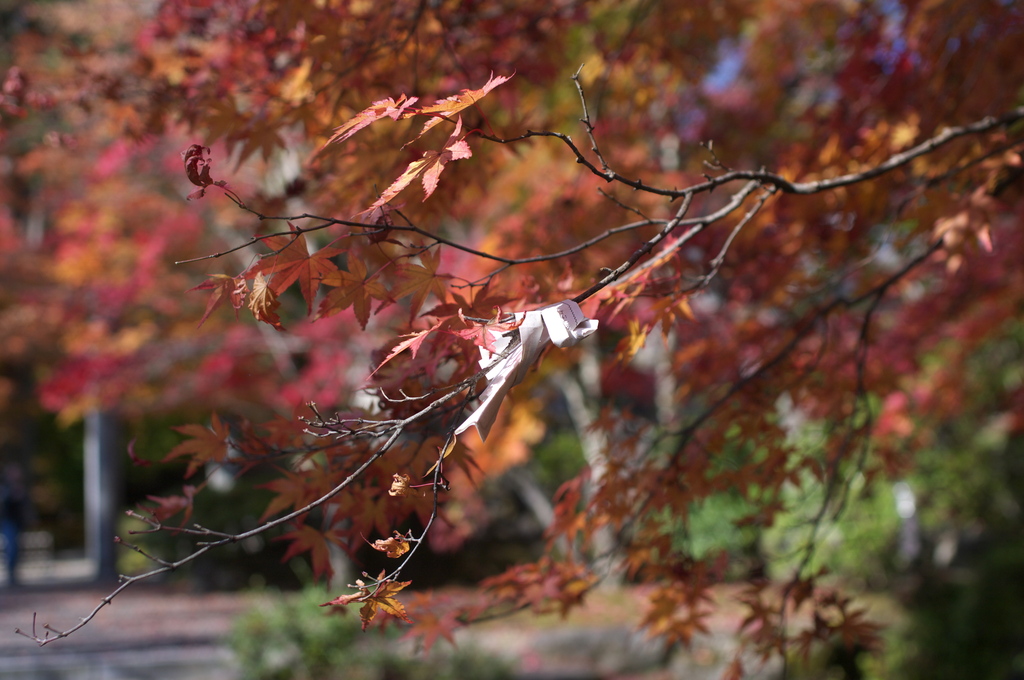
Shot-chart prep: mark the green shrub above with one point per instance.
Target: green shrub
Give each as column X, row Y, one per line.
column 289, row 637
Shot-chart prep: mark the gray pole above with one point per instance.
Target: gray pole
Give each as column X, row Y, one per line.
column 102, row 492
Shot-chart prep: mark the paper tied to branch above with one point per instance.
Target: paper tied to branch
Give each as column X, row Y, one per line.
column 562, row 324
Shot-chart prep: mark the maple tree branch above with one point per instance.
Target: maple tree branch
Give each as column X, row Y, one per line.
column 716, row 263
column 608, row 175
column 855, row 427
column 761, row 176
column 697, row 225
column 764, row 176
column 451, row 243
column 608, row 233
column 861, row 401
column 686, row 433
column 755, row 179
column 715, row 163
column 373, row 229
column 719, row 259
column 379, row 428
column 587, row 124
column 856, row 432
column 977, row 160
column 624, row 206
column 895, row 161
column 138, row 549
column 52, row 635
column 298, row 231
column 437, row 485
column 126, row 581
column 646, row 248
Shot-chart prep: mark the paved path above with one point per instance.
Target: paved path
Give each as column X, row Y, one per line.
column 147, row 632
column 160, row 632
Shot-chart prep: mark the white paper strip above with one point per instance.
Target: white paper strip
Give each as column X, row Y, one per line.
column 562, row 324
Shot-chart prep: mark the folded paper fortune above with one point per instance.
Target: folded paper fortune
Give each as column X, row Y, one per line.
column 562, row 324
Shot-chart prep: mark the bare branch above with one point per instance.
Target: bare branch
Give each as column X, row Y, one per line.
column 587, row 123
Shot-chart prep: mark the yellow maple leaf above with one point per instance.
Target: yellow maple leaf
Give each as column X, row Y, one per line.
column 903, row 134
column 632, row 343
column 263, row 302
column 444, row 454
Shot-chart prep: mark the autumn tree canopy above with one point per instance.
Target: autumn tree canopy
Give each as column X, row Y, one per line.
column 794, row 225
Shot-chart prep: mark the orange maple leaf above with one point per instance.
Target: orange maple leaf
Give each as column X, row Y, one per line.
column 400, row 485
column 446, row 107
column 669, row 311
column 263, row 302
column 396, row 546
column 403, row 108
column 292, row 262
column 677, row 611
column 207, row 444
column 632, row 343
column 428, row 169
column 352, row 289
column 381, row 598
column 384, row 108
column 422, row 279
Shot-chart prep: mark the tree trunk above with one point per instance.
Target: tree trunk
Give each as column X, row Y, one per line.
column 102, row 492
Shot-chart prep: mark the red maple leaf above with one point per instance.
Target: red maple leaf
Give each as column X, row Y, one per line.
column 482, row 334
column 169, row 506
column 293, row 491
column 292, row 262
column 134, row 457
column 428, row 169
column 412, row 341
column 308, row 539
column 197, row 169
column 482, row 304
column 224, row 288
column 429, row 623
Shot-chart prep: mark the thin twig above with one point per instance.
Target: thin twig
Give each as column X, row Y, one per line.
column 588, row 124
